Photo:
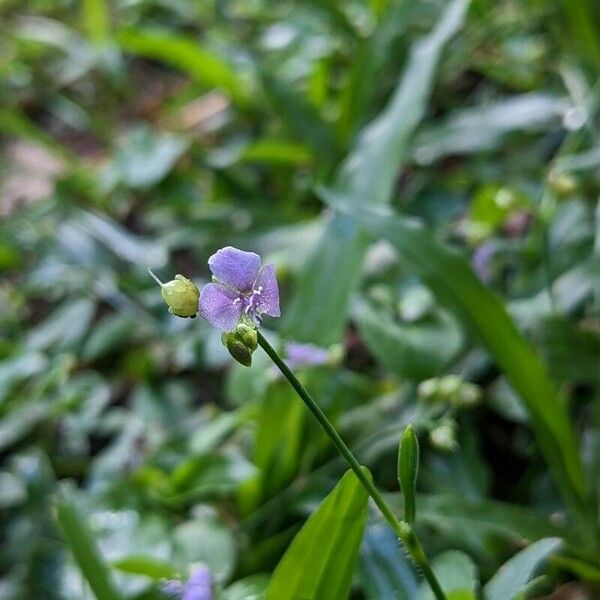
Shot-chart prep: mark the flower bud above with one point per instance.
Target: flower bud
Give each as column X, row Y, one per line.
column 181, row 295
column 247, row 335
column 408, row 468
column 563, row 184
column 241, row 343
column 443, row 437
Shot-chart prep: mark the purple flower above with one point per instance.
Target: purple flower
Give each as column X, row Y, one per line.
column 300, row 355
column 197, row 587
column 241, row 286
column 482, row 261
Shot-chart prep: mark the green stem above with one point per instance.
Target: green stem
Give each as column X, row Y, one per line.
column 402, row 529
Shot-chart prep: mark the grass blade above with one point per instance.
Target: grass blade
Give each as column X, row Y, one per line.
column 333, row 271
column 80, row 540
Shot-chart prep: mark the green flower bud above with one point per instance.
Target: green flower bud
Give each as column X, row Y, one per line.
column 428, row 389
column 562, row 184
column 467, row 396
column 241, row 343
column 449, row 386
column 443, row 437
column 237, row 349
column 181, row 295
column 408, row 468
column 247, row 335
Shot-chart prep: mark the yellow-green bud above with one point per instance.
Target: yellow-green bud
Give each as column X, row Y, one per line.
column 563, row 184
column 408, row 468
column 181, row 295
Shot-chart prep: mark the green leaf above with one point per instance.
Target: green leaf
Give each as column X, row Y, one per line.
column 145, row 158
column 81, row 541
column 453, row 513
column 146, row 565
column 333, row 271
column 206, row 540
column 252, row 587
column 386, row 572
column 12, row 490
column 187, row 55
column 321, row 559
column 95, row 20
column 416, row 350
column 482, row 313
column 457, row 575
column 514, row 575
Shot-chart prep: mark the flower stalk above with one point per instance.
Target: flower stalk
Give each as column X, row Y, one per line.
column 402, row 529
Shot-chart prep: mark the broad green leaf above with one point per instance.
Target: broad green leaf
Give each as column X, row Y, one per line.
column 81, row 541
column 416, row 350
column 457, row 575
column 144, row 158
column 138, row 564
column 188, row 55
column 453, row 513
column 483, row 314
column 320, row 561
column 333, row 271
column 385, row 570
column 516, row 573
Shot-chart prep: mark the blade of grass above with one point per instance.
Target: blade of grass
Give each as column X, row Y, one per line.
column 187, row 55
column 332, row 273
column 81, row 541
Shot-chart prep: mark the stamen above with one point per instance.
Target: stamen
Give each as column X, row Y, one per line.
column 237, row 300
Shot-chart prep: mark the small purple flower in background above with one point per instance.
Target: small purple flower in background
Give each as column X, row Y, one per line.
column 241, row 286
column 482, row 261
column 301, row 355
column 197, row 587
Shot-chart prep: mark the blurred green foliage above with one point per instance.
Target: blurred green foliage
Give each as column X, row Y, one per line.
column 425, row 176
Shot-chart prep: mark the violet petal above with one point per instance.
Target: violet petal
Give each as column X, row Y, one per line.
column 235, row 268
column 199, row 585
column 299, row 355
column 268, row 298
column 220, row 306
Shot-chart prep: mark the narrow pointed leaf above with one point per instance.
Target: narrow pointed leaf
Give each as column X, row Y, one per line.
column 333, row 272
column 87, row 556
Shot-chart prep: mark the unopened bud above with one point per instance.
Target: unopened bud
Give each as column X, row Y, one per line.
column 181, row 295
column 408, row 468
column 443, row 437
column 241, row 343
column 563, row 184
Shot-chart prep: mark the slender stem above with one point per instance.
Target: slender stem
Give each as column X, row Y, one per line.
column 402, row 529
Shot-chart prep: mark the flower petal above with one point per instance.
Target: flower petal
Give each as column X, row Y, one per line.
column 219, row 306
column 300, row 355
column 268, row 299
column 235, row 268
column 199, row 586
